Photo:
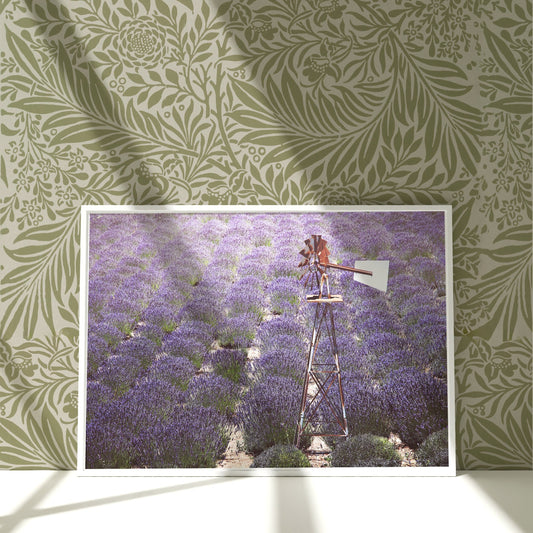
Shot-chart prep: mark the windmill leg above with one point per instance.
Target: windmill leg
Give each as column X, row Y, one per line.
column 336, row 356
column 310, row 358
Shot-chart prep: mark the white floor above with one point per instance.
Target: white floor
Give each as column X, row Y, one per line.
column 47, row 501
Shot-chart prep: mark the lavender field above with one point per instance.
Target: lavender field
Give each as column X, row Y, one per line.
column 198, row 331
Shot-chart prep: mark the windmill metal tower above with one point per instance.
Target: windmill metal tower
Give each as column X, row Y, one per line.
column 322, row 411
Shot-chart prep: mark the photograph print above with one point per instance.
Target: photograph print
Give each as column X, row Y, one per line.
column 240, row 341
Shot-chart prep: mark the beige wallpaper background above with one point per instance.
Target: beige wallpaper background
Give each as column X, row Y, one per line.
column 271, row 102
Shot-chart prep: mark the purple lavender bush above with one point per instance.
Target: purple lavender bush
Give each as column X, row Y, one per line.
column 287, row 363
column 281, row 456
column 281, row 328
column 246, row 297
column 416, row 404
column 195, row 438
column 163, row 317
column 365, row 409
column 97, row 353
column 97, row 396
column 157, row 399
column 178, row 371
column 214, row 391
column 112, row 433
column 204, row 305
column 109, row 334
column 425, row 331
column 179, row 345
column 151, row 331
column 229, row 364
column 141, row 348
column 197, row 330
column 119, row 373
column 285, row 295
column 237, row 331
column 149, row 428
column 268, row 413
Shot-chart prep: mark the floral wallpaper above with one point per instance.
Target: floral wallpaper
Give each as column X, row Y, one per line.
column 270, row 102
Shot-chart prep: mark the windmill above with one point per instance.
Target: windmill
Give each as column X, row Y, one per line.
column 322, row 394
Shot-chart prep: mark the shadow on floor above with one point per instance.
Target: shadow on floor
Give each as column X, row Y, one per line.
column 511, row 491
column 293, row 505
column 29, row 508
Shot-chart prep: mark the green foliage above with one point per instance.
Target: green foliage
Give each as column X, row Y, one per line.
column 365, row 451
column 281, row 456
column 434, row 450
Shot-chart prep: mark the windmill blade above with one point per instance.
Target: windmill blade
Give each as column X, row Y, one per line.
column 305, row 253
column 323, row 252
column 379, row 277
column 308, row 243
column 303, row 263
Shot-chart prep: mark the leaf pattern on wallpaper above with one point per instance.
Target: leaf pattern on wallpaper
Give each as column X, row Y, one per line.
column 48, row 263
column 498, row 425
column 504, row 290
column 390, row 84
column 272, row 102
column 87, row 112
column 38, row 381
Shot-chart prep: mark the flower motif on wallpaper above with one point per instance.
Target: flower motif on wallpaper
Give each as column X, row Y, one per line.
column 260, row 27
column 44, row 168
column 239, row 187
column 22, row 181
column 497, row 362
column 71, row 405
column 16, row 365
column 503, row 182
column 328, row 9
column 511, row 213
column 142, row 42
column 153, row 172
column 412, row 32
column 500, row 363
column 339, row 195
column 441, row 27
column 66, row 196
column 31, row 211
column 494, row 150
column 15, row 151
column 77, row 160
column 319, row 66
column 449, row 47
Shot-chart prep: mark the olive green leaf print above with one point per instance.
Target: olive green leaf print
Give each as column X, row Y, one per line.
column 265, row 102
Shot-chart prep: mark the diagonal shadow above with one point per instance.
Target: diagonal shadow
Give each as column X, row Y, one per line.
column 511, row 491
column 10, row 522
column 29, row 508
